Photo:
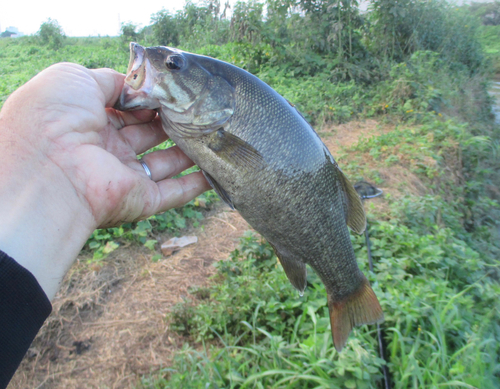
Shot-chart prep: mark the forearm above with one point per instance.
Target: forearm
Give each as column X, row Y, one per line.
column 40, row 227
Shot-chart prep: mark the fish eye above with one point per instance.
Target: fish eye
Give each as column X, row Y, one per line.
column 174, row 62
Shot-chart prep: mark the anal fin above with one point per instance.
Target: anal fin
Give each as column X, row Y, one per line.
column 295, row 270
column 218, row 189
column 362, row 307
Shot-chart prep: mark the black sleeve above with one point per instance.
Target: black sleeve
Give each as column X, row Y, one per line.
column 23, row 309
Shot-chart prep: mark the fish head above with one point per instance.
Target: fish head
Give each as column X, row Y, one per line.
column 175, row 82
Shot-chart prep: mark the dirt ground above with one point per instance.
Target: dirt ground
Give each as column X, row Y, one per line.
column 108, row 325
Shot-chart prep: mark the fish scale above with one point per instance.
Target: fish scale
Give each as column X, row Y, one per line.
column 262, row 158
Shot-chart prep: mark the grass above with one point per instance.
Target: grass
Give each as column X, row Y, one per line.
column 440, row 328
column 436, row 282
column 23, row 58
column 436, row 255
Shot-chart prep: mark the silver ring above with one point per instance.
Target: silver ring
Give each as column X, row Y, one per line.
column 146, row 168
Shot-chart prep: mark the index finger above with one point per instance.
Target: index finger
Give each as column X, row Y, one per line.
column 176, row 192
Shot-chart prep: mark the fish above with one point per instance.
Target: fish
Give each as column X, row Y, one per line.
column 266, row 161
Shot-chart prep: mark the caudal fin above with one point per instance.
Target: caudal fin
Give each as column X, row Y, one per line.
column 362, row 307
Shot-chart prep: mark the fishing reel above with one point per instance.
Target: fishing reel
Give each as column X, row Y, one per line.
column 366, row 190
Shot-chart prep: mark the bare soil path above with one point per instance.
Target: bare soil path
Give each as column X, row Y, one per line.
column 108, row 324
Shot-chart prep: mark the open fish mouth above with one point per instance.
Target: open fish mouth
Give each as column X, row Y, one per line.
column 139, row 83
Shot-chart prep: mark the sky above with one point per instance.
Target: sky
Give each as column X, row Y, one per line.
column 82, row 18
column 89, row 17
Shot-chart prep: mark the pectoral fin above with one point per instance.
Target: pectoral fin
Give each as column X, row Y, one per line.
column 235, row 151
column 218, row 189
column 355, row 212
column 295, row 270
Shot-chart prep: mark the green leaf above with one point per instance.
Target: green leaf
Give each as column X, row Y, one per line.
column 110, row 247
column 150, row 244
column 156, row 257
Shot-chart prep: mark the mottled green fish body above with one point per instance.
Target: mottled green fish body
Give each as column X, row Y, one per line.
column 264, row 160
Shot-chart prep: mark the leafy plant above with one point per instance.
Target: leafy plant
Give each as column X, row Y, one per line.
column 51, row 34
column 436, row 292
column 416, row 64
column 103, row 241
column 129, row 33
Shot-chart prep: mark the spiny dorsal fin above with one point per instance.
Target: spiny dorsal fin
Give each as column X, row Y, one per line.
column 295, row 270
column 362, row 307
column 355, row 214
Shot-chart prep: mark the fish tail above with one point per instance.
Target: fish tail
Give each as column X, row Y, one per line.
column 361, row 307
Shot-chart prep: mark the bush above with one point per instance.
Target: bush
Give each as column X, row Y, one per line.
column 489, row 13
column 129, row 33
column 51, row 34
column 165, row 28
column 400, row 28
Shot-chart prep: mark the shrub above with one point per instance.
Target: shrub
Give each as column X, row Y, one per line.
column 51, row 34
column 128, row 32
column 165, row 28
column 400, row 28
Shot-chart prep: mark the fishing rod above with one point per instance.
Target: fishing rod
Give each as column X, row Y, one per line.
column 368, row 191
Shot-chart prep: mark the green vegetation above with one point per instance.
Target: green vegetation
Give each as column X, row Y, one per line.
column 489, row 15
column 51, row 34
column 437, row 283
column 23, row 58
column 422, row 66
column 490, row 39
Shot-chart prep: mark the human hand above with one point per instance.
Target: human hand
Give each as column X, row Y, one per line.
column 96, row 147
column 70, row 166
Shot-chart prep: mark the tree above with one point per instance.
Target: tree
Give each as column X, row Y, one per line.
column 128, row 31
column 246, row 22
column 165, row 28
column 51, row 34
column 7, row 34
column 488, row 12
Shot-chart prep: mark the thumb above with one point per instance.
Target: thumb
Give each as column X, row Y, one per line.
column 111, row 84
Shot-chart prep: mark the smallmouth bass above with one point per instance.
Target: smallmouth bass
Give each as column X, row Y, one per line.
column 264, row 160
